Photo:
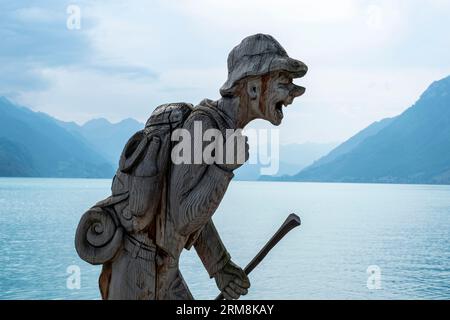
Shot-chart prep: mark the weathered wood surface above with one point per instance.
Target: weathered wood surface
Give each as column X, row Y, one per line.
column 158, row 208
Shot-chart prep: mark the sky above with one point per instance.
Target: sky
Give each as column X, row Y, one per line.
column 367, row 59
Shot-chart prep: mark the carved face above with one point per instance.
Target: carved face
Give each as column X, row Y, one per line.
column 270, row 93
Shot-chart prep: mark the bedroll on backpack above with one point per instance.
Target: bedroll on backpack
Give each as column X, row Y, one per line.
column 137, row 187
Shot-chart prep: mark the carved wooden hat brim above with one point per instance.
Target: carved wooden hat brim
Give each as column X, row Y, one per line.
column 258, row 55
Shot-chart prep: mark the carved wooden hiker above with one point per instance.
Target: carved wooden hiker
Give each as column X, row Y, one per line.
column 159, row 206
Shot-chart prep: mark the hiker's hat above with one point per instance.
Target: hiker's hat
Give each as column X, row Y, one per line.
column 257, row 55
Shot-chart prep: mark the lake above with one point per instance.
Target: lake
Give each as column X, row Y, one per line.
column 402, row 231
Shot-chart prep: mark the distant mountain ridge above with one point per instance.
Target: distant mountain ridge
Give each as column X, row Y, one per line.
column 353, row 142
column 106, row 137
column 33, row 144
column 102, row 143
column 413, row 147
column 292, row 158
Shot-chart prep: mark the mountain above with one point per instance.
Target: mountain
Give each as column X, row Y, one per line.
column 299, row 156
column 413, row 147
column 33, row 144
column 15, row 160
column 293, row 158
column 353, row 142
column 105, row 137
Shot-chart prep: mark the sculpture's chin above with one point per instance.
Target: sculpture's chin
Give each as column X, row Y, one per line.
column 275, row 122
column 277, row 114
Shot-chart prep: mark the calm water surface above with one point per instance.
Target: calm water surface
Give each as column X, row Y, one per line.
column 402, row 229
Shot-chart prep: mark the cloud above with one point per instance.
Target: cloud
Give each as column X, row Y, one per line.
column 39, row 35
column 35, row 37
column 367, row 59
column 340, row 102
column 78, row 94
column 248, row 13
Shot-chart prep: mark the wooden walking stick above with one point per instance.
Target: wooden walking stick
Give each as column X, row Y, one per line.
column 290, row 223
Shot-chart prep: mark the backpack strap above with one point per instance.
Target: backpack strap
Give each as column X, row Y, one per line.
column 133, row 151
column 170, row 114
column 222, row 120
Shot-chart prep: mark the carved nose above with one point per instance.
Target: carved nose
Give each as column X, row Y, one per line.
column 297, row 91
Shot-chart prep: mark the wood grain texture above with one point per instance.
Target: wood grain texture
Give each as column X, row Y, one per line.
column 158, row 208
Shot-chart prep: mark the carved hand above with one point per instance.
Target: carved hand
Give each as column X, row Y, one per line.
column 232, row 281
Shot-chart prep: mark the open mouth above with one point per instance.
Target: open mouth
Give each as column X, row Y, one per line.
column 295, row 91
column 279, row 105
column 279, row 109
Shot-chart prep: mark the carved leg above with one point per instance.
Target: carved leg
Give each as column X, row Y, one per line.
column 178, row 289
column 104, row 280
column 133, row 276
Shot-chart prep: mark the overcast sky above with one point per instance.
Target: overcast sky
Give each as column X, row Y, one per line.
column 367, row 59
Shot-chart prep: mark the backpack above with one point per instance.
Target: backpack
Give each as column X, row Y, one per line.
column 137, row 187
